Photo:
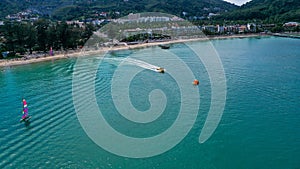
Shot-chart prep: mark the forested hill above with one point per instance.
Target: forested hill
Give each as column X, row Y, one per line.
column 73, row 9
column 268, row 10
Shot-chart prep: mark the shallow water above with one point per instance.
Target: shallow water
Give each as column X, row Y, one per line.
column 259, row 127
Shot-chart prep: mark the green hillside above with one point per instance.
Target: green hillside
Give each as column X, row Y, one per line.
column 268, row 10
column 11, row 6
column 74, row 9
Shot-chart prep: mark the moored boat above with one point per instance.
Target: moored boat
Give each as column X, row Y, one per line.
column 164, row 46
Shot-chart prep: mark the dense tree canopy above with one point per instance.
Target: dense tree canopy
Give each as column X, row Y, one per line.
column 272, row 11
column 21, row 37
column 76, row 9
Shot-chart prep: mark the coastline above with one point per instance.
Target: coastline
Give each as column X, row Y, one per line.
column 23, row 61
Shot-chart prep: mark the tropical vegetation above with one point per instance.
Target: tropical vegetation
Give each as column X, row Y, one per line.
column 269, row 11
column 22, row 37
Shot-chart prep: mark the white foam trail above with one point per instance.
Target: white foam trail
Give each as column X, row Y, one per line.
column 136, row 62
column 142, row 64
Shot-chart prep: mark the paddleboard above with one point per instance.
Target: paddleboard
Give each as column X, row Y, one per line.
column 26, row 119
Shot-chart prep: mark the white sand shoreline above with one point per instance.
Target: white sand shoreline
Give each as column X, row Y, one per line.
column 5, row 62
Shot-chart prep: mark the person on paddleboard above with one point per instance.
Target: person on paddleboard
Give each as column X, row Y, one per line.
column 24, row 103
column 25, row 109
column 25, row 113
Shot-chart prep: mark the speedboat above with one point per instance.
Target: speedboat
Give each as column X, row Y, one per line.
column 160, row 70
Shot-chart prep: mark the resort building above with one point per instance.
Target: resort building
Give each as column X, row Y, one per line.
column 251, row 27
column 291, row 24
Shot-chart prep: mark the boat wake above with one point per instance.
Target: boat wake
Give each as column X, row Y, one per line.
column 139, row 63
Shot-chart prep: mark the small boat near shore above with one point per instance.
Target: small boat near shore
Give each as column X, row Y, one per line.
column 164, row 46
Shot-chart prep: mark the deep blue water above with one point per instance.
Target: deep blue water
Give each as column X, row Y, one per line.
column 259, row 128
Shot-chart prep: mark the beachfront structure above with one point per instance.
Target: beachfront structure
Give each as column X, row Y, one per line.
column 210, row 28
column 231, row 29
column 267, row 26
column 251, row 27
column 242, row 29
column 220, row 29
column 291, row 24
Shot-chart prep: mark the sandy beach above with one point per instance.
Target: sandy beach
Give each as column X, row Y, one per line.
column 22, row 61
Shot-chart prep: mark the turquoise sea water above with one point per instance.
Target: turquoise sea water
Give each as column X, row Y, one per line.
column 259, row 128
